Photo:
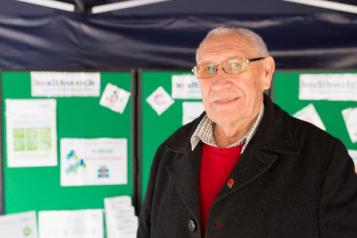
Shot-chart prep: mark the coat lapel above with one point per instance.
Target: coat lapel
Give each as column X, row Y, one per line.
column 251, row 166
column 271, row 139
column 185, row 176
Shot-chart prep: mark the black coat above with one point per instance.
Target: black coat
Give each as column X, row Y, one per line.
column 293, row 181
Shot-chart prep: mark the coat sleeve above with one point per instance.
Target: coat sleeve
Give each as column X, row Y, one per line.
column 338, row 197
column 144, row 229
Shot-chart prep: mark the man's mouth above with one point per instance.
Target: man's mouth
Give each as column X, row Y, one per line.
column 226, row 100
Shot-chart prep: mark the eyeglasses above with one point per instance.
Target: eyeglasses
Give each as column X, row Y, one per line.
column 231, row 66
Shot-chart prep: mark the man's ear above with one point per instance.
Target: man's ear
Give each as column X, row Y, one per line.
column 268, row 71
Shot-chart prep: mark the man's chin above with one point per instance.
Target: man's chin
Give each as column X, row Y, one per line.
column 223, row 117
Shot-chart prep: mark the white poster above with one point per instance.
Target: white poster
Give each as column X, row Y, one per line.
column 114, row 98
column 185, row 86
column 100, row 161
column 71, row 224
column 191, row 110
column 19, row 225
column 334, row 87
column 31, row 132
column 310, row 115
column 350, row 118
column 159, row 100
column 65, row 84
column 120, row 217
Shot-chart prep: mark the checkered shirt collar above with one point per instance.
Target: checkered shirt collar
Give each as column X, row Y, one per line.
column 204, row 133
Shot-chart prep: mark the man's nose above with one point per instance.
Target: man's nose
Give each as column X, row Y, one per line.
column 220, row 80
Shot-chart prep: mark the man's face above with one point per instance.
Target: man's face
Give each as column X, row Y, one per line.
column 233, row 98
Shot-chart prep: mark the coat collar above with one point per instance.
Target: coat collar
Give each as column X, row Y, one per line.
column 275, row 132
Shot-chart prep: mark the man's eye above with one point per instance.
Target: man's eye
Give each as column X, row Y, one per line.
column 211, row 69
column 235, row 66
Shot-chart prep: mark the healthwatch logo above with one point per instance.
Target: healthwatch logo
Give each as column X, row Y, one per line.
column 65, row 84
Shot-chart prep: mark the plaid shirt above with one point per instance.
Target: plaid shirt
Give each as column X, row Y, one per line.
column 204, row 133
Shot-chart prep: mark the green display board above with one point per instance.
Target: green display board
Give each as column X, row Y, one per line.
column 286, row 94
column 154, row 128
column 38, row 188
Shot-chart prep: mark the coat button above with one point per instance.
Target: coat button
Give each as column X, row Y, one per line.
column 191, row 225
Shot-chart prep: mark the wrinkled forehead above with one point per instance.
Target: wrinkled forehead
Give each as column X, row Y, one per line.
column 237, row 44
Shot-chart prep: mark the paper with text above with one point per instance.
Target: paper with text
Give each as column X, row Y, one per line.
column 65, row 84
column 101, row 161
column 185, row 86
column 31, row 132
column 71, row 224
column 159, row 100
column 334, row 87
column 120, row 217
column 19, row 225
column 114, row 98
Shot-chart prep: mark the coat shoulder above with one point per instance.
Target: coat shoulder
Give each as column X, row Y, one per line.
column 311, row 136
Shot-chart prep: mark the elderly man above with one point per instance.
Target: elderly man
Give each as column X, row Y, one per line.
column 245, row 168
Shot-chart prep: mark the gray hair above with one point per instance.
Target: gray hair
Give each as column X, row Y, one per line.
column 258, row 42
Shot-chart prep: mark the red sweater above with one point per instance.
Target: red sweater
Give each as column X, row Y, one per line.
column 217, row 164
